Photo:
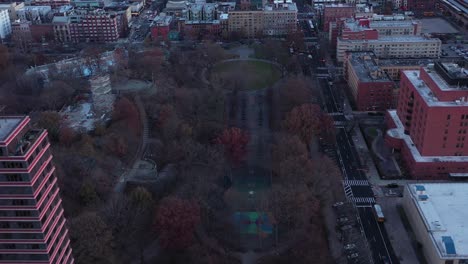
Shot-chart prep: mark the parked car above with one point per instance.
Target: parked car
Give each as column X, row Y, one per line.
column 349, row 246
column 343, row 219
column 353, row 256
column 346, row 227
column 392, row 185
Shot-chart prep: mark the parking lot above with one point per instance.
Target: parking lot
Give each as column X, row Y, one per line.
column 437, row 25
column 455, row 50
column 355, row 247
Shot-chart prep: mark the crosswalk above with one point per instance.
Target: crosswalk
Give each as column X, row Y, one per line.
column 348, row 191
column 370, row 200
column 357, row 182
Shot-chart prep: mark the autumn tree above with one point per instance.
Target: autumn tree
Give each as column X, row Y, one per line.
column 305, row 121
column 176, row 221
column 290, row 205
column 91, row 239
column 295, row 92
column 4, row 57
column 125, row 110
column 66, row 135
column 50, row 120
column 56, row 94
column 235, row 143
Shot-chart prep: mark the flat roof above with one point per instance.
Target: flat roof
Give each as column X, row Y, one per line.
column 398, row 132
column 366, row 68
column 397, row 38
column 426, row 93
column 444, row 211
column 8, row 125
column 353, row 24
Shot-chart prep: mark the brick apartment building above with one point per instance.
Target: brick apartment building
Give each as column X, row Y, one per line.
column 371, row 87
column 90, row 26
column 334, row 12
column 160, row 27
column 51, row 3
column 429, row 126
column 32, row 223
column 276, row 19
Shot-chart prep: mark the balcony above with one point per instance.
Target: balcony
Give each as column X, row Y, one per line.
column 27, row 141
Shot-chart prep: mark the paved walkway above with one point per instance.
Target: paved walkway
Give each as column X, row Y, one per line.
column 129, row 173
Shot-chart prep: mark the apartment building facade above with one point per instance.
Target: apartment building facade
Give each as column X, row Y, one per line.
column 277, row 19
column 392, row 47
column 5, row 24
column 334, row 12
column 430, row 123
column 32, row 223
column 93, row 26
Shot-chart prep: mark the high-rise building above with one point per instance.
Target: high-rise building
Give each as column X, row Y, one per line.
column 32, row 223
column 429, row 126
column 5, row 24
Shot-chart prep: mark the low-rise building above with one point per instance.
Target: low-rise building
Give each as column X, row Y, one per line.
column 5, row 24
column 123, row 13
column 456, row 9
column 392, row 47
column 429, row 127
column 437, row 213
column 35, row 14
column 160, row 26
column 372, row 89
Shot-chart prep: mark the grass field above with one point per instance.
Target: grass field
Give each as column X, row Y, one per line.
column 247, row 75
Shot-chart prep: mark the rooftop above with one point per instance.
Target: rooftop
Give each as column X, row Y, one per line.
column 398, row 132
column 355, row 25
column 366, row 68
column 444, row 210
column 7, row 125
column 61, row 19
column 406, row 62
column 398, row 39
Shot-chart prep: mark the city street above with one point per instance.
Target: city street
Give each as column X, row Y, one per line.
column 357, row 187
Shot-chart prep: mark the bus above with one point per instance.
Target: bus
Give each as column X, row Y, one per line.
column 378, row 213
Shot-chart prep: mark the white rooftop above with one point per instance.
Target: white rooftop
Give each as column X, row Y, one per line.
column 398, row 132
column 429, row 97
column 7, row 125
column 444, row 211
column 397, row 38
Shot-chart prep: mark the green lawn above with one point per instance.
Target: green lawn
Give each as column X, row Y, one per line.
column 247, row 75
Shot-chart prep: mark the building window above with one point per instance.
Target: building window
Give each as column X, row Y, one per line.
column 448, row 117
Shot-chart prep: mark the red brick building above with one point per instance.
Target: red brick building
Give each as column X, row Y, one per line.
column 93, row 26
column 332, row 13
column 429, row 126
column 372, row 89
column 51, row 3
column 33, row 225
column 420, row 6
column 160, row 27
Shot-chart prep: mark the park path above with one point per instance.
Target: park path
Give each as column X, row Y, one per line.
column 129, row 172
